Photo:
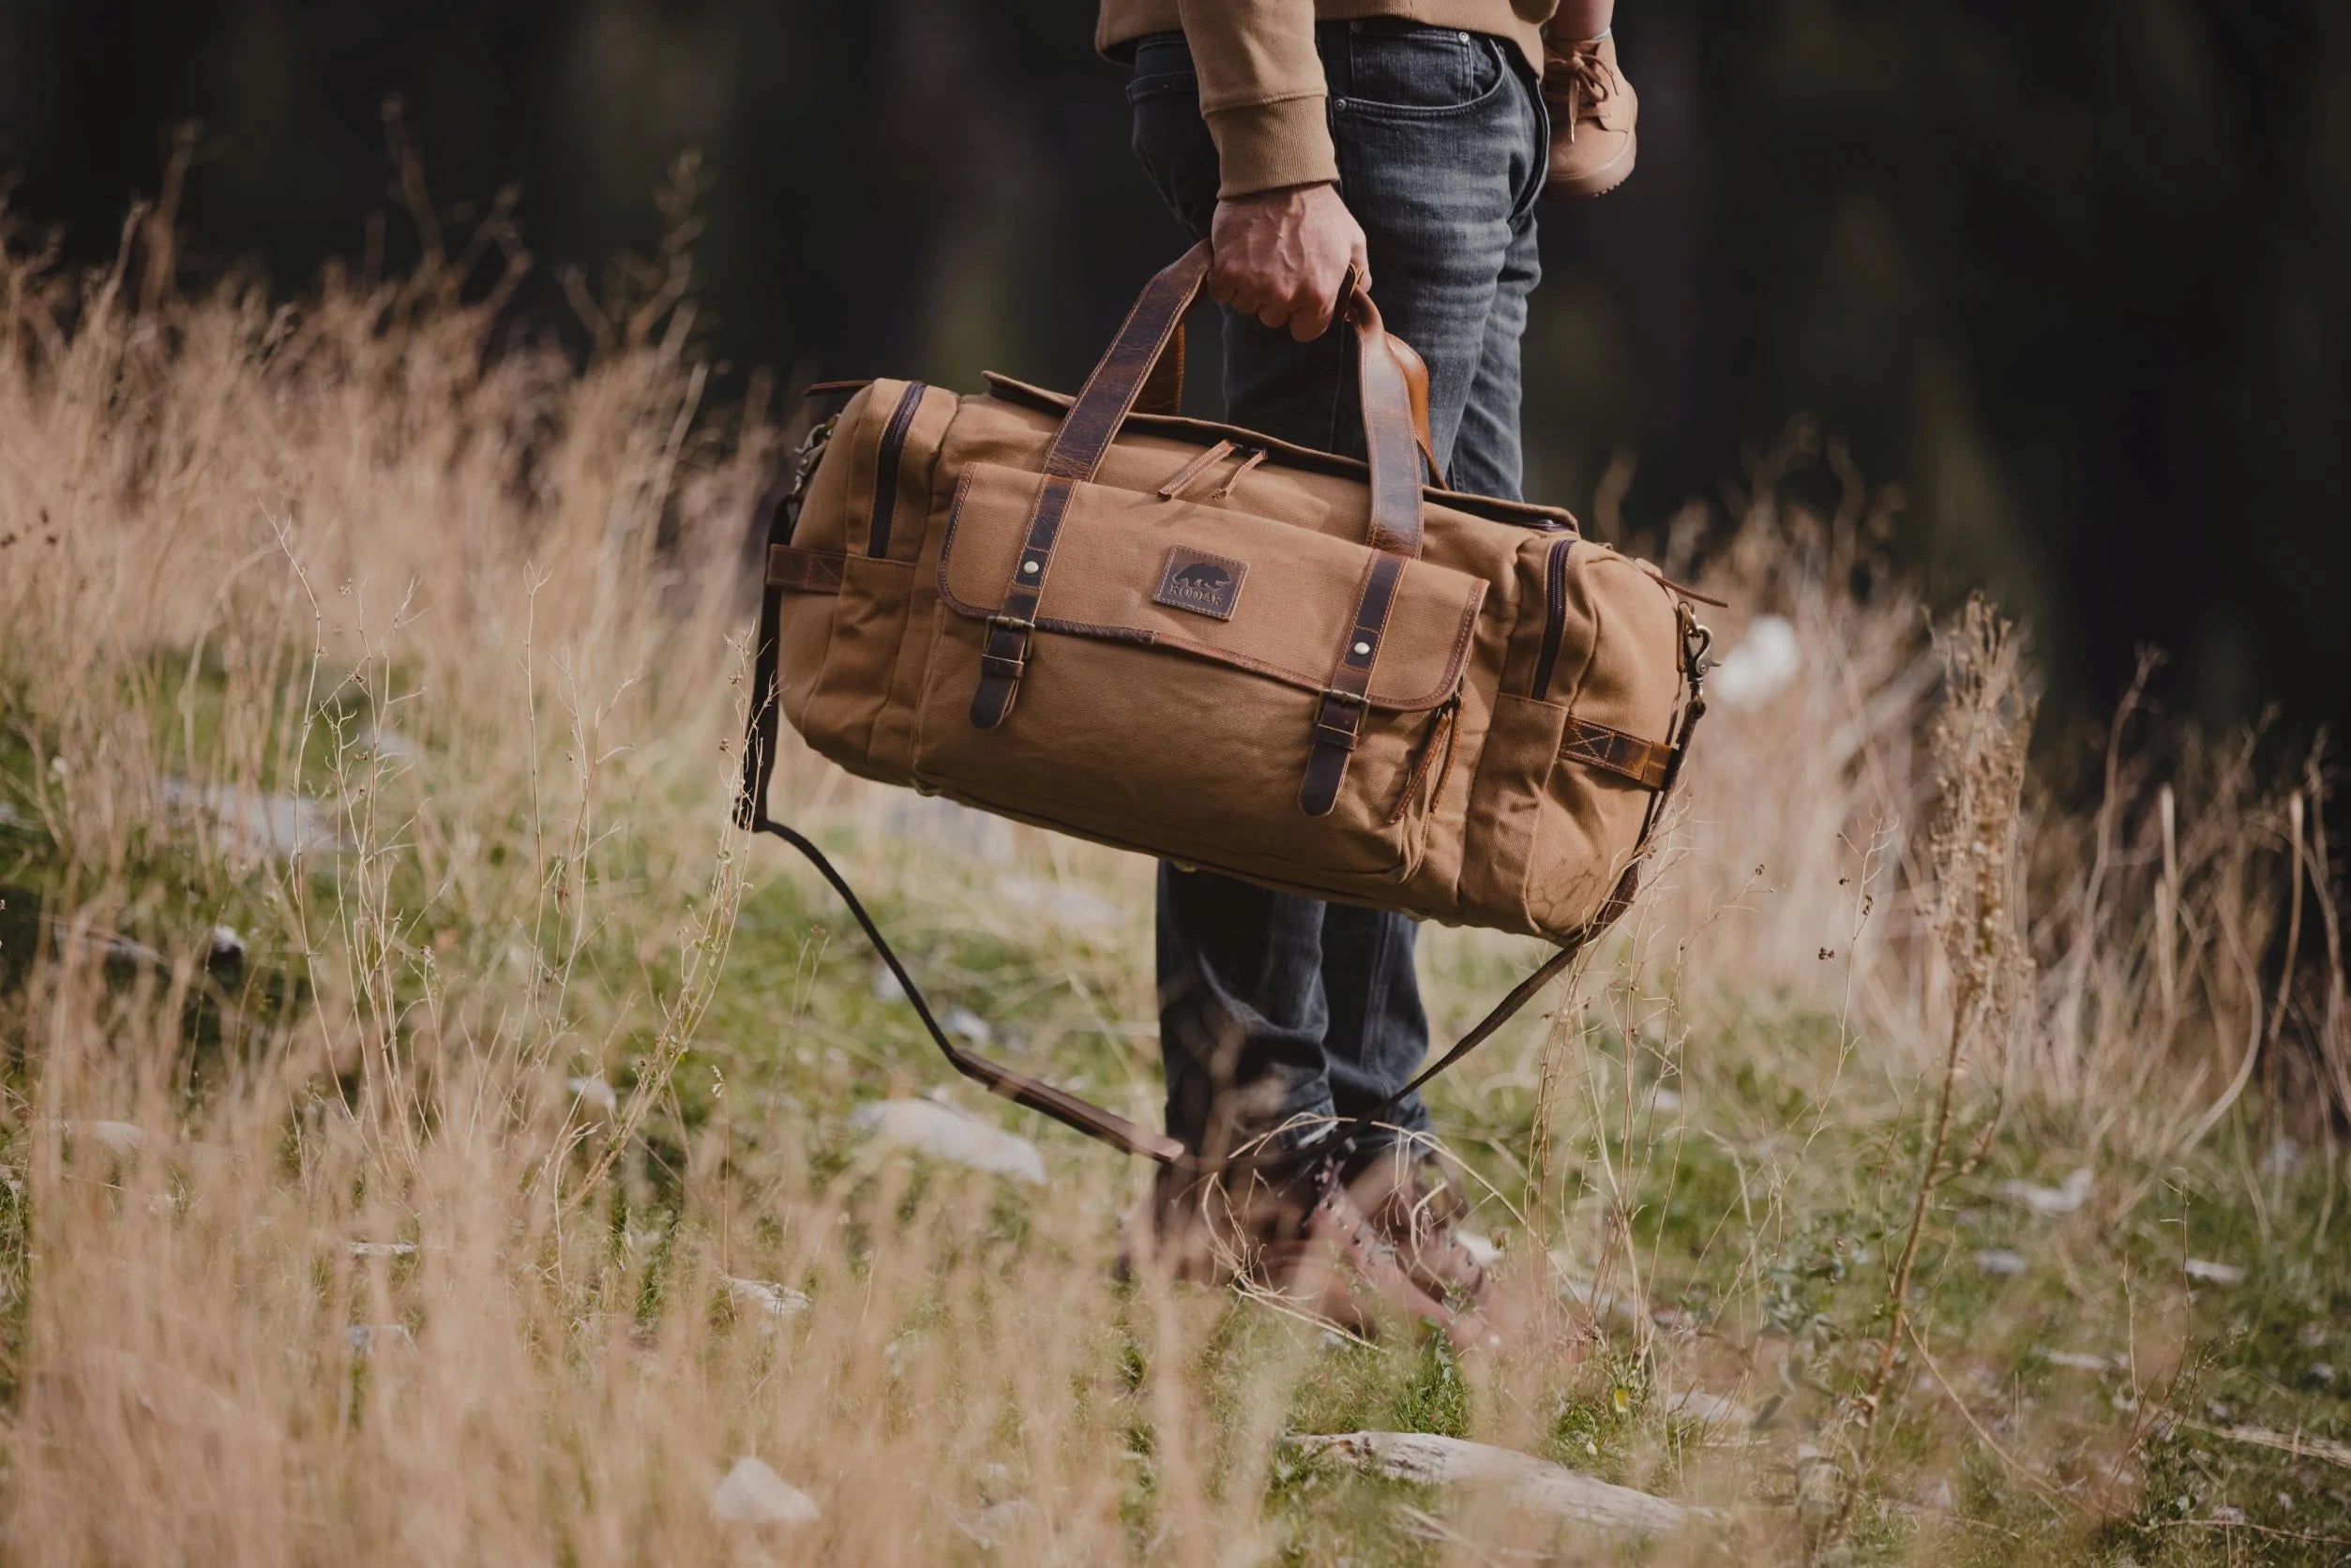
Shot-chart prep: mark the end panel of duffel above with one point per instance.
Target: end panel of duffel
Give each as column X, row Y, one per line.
column 850, row 570
column 1580, row 745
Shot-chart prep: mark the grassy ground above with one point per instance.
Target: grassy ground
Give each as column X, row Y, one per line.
column 324, row 1242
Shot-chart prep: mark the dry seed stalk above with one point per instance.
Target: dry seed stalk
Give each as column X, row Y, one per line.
column 1978, row 749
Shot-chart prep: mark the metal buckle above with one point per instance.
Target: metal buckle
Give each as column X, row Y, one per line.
column 1698, row 641
column 1012, row 623
column 1344, row 736
column 804, row 463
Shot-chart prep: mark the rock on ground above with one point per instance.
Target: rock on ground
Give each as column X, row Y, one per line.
column 1073, row 908
column 1711, row 1409
column 596, row 1097
column 121, row 1140
column 1531, row 1484
column 368, row 1339
column 967, row 1026
column 993, row 1525
column 754, row 1493
column 2063, row 1199
column 765, row 1296
column 271, row 824
column 943, row 1133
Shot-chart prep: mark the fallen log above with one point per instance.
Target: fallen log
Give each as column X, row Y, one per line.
column 1526, row 1483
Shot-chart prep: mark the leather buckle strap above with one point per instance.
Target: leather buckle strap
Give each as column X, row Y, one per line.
column 1344, row 731
column 1644, row 762
column 1004, row 659
column 1006, row 652
column 806, row 571
column 1334, row 742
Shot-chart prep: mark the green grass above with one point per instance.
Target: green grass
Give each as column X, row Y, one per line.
column 1761, row 1216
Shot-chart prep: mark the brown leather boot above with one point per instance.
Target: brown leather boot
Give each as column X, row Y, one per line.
column 1331, row 1264
column 1417, row 1208
column 1184, row 1227
column 1291, row 1232
column 1592, row 112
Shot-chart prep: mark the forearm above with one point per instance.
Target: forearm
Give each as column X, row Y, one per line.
column 1261, row 92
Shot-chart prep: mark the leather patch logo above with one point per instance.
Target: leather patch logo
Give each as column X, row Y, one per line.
column 1202, row 584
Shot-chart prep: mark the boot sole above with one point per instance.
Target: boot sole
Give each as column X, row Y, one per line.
column 1601, row 181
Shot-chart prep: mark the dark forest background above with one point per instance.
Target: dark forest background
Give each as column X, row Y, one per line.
column 2076, row 276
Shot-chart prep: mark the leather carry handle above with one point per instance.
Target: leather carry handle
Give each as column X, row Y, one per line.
column 1395, row 439
column 1163, row 388
column 1148, row 355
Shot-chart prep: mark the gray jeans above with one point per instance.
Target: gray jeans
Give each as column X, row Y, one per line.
column 1277, row 1010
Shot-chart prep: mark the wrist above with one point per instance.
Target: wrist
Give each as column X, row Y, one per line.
column 1272, row 146
column 1277, row 194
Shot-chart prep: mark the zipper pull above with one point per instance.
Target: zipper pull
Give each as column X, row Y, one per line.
column 1192, row 470
column 1255, row 455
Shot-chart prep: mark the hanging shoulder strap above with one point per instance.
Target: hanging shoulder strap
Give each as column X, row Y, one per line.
column 751, row 813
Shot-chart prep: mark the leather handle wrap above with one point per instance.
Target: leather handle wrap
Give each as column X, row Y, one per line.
column 1389, row 433
column 1163, row 389
column 1110, row 392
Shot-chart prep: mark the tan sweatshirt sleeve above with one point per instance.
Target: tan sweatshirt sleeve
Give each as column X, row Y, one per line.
column 1261, row 91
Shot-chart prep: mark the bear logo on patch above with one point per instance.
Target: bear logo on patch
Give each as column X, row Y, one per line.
column 1200, row 583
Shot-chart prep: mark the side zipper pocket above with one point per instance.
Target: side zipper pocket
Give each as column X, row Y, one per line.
column 1439, row 742
column 1554, row 616
column 885, row 468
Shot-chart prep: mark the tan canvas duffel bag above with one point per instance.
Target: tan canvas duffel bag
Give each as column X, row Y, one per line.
column 1199, row 643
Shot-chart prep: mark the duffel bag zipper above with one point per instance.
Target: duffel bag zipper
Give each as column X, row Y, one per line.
column 1439, row 743
column 1250, row 457
column 885, row 468
column 1554, row 615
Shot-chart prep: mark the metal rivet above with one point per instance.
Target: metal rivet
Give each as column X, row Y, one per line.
column 1029, row 566
column 1362, row 648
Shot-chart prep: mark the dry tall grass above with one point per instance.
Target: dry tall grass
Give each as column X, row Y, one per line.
column 340, row 1256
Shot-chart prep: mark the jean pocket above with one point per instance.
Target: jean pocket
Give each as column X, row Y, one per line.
column 1173, row 142
column 1162, row 64
column 1163, row 85
column 1415, row 70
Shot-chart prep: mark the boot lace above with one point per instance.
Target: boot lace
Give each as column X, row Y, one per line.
column 1590, row 84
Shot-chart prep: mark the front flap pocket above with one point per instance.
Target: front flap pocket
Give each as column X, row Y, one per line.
column 1176, row 681
column 1249, row 592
